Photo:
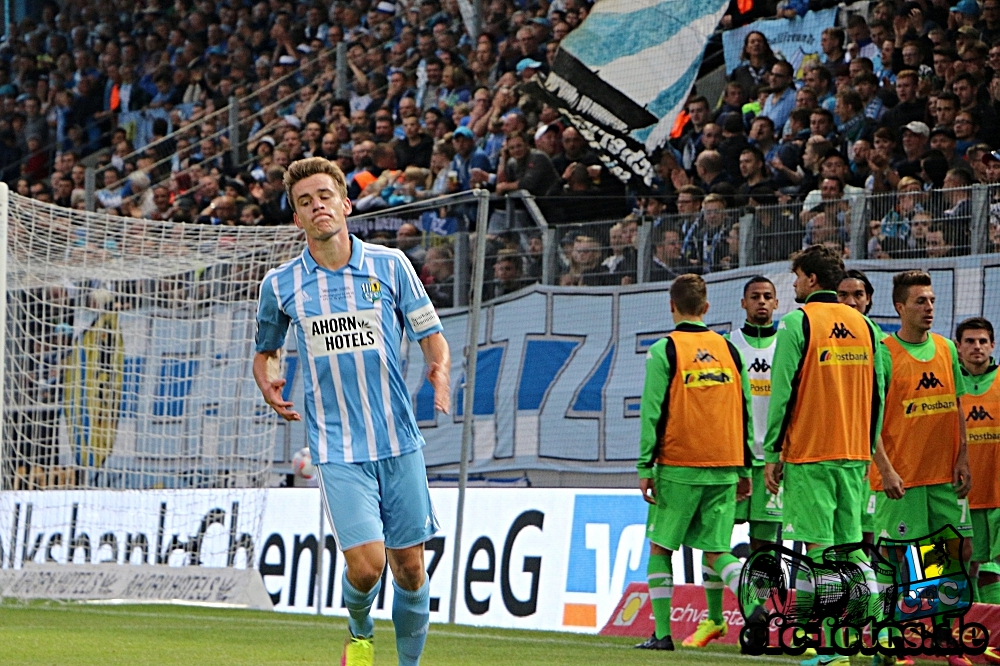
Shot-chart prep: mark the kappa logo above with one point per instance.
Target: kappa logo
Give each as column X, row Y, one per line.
column 704, row 356
column 929, row 381
column 371, row 290
column 978, row 413
column 840, row 331
column 760, row 365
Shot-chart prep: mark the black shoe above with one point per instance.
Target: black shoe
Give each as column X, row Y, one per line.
column 758, row 615
column 756, row 629
column 654, row 643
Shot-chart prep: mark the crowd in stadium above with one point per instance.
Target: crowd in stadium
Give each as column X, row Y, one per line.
column 900, row 108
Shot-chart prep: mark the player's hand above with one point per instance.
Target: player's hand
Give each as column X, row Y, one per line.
column 272, row 396
column 892, row 484
column 744, row 488
column 648, row 489
column 962, row 477
column 440, row 378
column 773, row 473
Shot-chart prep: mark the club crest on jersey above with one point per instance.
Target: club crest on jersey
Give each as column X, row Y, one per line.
column 371, row 290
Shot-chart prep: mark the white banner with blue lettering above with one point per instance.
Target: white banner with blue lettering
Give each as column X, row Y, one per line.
column 796, row 40
column 560, row 370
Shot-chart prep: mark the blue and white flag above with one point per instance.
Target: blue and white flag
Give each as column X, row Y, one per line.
column 623, row 76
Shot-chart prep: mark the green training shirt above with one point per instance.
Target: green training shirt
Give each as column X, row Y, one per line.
column 788, row 353
column 654, row 393
column 977, row 385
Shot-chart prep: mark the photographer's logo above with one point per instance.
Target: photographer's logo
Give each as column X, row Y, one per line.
column 911, row 616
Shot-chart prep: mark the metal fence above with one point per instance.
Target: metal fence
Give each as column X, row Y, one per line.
column 642, row 246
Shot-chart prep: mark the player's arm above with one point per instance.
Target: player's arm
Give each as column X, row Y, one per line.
column 744, row 486
column 266, row 371
column 437, row 357
column 892, row 483
column 654, row 391
column 883, row 372
column 745, row 471
column 788, row 350
column 272, row 324
column 962, row 474
column 423, row 326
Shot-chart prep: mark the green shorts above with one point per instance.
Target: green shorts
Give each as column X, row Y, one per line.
column 922, row 511
column 986, row 527
column 822, row 502
column 696, row 516
column 760, row 507
column 868, row 509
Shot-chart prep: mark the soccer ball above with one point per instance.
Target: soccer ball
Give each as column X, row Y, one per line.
column 302, row 466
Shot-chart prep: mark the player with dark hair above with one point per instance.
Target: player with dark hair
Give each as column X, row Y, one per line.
column 755, row 340
column 690, row 475
column 350, row 303
column 921, row 473
column 856, row 291
column 824, row 417
column 975, row 342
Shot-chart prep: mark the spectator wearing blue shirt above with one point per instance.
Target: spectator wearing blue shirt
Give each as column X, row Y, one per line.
column 781, row 101
column 467, row 157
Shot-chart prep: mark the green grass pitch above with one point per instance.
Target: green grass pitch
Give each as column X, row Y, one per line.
column 52, row 634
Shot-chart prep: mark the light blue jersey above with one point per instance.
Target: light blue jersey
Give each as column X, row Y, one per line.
column 349, row 326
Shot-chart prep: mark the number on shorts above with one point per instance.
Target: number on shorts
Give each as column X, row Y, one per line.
column 964, row 503
column 871, row 504
column 774, row 501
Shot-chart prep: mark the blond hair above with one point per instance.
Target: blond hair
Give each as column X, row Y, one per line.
column 302, row 169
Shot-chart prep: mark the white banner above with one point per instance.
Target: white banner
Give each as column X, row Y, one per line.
column 531, row 558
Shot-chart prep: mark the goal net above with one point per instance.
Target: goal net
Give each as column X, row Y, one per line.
column 128, row 386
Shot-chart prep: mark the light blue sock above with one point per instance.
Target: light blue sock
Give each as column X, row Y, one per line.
column 411, row 613
column 359, row 605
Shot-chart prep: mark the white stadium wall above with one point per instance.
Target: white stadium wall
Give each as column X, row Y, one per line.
column 555, row 559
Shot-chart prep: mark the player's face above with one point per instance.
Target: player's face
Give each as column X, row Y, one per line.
column 759, row 302
column 319, row 208
column 803, row 285
column 851, row 291
column 917, row 312
column 975, row 347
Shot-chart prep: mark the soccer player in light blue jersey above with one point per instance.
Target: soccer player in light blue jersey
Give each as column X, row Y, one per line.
column 350, row 303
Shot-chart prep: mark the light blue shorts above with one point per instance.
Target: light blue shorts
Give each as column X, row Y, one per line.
column 387, row 500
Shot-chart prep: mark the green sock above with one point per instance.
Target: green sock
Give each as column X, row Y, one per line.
column 728, row 569
column 660, row 575
column 974, row 582
column 816, row 555
column 713, row 593
column 990, row 594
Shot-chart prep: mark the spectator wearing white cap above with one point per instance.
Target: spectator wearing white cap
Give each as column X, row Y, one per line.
column 914, row 138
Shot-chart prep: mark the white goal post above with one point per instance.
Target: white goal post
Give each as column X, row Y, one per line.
column 127, row 348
